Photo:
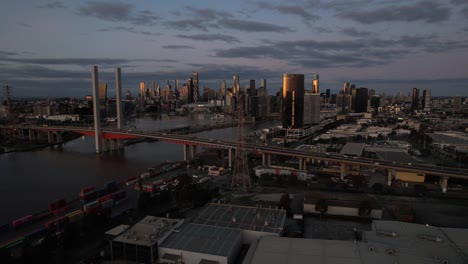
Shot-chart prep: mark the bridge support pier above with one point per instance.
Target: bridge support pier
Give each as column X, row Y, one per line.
column 21, row 134
column 344, row 171
column 389, row 177
column 186, row 151
column 105, row 145
column 59, row 137
column 443, row 183
column 304, row 166
column 32, row 137
column 193, row 153
column 230, row 157
column 50, row 137
column 269, row 159
column 96, row 109
column 301, row 161
column 263, row 159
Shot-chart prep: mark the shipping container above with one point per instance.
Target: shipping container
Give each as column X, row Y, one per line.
column 12, row 242
column 145, row 175
column 92, row 207
column 36, row 234
column 87, row 190
column 105, row 198
column 111, row 186
column 57, row 204
column 102, row 192
column 75, row 216
column 61, row 210
column 57, row 224
column 42, row 216
column 22, row 221
column 88, row 197
column 130, row 181
column 108, row 203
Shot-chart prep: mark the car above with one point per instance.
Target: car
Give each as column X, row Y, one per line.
column 376, row 163
column 409, row 164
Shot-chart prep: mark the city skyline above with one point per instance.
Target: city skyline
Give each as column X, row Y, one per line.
column 387, row 47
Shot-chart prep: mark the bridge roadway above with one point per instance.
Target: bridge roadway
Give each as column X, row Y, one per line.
column 447, row 172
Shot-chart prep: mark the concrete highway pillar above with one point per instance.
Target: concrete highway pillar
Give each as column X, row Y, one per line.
column 263, row 159
column 304, row 167
column 50, row 137
column 269, row 159
column 312, row 161
column 105, row 145
column 389, row 177
column 300, row 163
column 230, row 157
column 59, row 137
column 96, row 110
column 194, row 152
column 31, row 135
column 21, row 134
column 186, row 150
column 344, row 170
column 443, row 183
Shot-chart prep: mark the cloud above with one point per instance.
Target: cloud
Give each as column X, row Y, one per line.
column 24, row 24
column 297, row 10
column 117, row 12
column 177, row 47
column 252, row 26
column 353, row 32
column 344, row 53
column 211, row 37
column 52, row 5
column 204, row 18
column 7, row 53
column 426, row 11
column 129, row 29
column 323, row 30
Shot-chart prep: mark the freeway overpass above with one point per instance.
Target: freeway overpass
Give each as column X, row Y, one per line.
column 267, row 151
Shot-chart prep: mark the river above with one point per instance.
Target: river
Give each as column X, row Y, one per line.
column 31, row 180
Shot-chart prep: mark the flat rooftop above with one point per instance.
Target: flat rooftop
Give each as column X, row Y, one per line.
column 353, row 149
column 399, row 157
column 286, row 250
column 148, row 231
column 242, row 217
column 212, row 240
column 350, row 200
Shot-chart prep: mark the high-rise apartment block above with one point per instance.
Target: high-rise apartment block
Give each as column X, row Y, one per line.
column 293, row 100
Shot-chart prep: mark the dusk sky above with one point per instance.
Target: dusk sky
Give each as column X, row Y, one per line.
column 47, row 47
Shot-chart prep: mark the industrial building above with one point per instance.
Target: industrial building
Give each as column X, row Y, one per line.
column 388, row 242
column 194, row 243
column 140, row 242
column 254, row 222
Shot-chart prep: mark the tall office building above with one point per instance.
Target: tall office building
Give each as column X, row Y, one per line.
column 293, row 100
column 371, row 93
column 353, row 99
column 457, row 103
column 315, row 84
column 346, row 88
column 235, row 84
column 153, row 90
column 426, row 102
column 361, row 100
column 252, row 90
column 343, row 103
column 222, row 91
column 103, row 99
column 263, row 83
column 415, row 100
column 311, row 108
column 190, row 90
column 142, row 89
column 196, row 86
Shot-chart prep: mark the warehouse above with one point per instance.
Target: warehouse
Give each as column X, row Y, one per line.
column 389, row 242
column 196, row 244
column 140, row 242
column 253, row 221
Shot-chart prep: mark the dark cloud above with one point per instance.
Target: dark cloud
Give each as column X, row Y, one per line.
column 353, row 32
column 117, row 12
column 52, row 5
column 323, row 30
column 426, row 11
column 204, row 18
column 297, row 10
column 129, row 29
column 177, row 47
column 7, row 53
column 211, row 37
column 345, row 53
column 24, row 24
column 252, row 26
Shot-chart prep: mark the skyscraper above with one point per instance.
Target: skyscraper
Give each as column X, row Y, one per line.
column 222, row 91
column 196, row 86
column 315, row 84
column 142, row 89
column 263, row 83
column 311, row 108
column 426, row 102
column 252, row 91
column 415, row 100
column 346, row 88
column 293, row 100
column 190, row 90
column 361, row 100
column 235, row 84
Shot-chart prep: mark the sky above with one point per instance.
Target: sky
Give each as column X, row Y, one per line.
column 47, row 47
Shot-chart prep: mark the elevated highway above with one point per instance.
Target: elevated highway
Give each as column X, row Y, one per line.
column 267, row 151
